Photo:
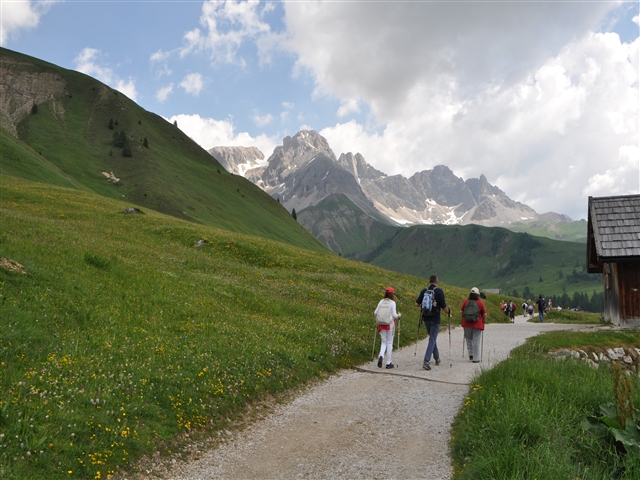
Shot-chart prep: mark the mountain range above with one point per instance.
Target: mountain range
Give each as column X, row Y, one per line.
column 305, row 175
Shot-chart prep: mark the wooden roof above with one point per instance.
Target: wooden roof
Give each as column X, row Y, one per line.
column 614, row 228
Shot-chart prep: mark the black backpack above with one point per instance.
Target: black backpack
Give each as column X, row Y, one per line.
column 471, row 311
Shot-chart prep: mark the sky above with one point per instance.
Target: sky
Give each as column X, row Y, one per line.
column 542, row 97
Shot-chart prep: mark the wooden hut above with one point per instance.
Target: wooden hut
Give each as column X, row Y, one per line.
column 613, row 249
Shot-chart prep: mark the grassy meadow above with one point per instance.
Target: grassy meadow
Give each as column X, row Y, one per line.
column 118, row 334
column 524, row 418
column 569, row 316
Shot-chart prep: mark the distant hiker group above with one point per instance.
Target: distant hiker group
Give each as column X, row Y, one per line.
column 528, row 307
column 431, row 302
column 509, row 308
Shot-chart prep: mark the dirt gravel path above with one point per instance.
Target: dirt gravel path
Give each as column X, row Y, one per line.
column 392, row 424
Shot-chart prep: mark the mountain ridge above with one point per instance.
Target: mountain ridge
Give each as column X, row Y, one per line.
column 435, row 196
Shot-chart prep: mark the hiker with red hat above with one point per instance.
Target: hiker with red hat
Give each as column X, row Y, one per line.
column 386, row 316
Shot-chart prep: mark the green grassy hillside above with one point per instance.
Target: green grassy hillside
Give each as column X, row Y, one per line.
column 73, row 144
column 489, row 258
column 118, row 334
column 568, row 231
column 341, row 225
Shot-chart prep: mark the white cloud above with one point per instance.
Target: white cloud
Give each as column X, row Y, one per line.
column 227, row 24
column 381, row 52
column 286, row 112
column 262, row 120
column 89, row 61
column 159, row 63
column 193, row 84
column 21, row 15
column 567, row 130
column 622, row 177
column 163, row 93
column 160, row 56
column 209, row 133
column 127, row 87
column 347, row 107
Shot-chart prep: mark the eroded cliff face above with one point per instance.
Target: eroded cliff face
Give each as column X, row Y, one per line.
column 21, row 86
column 238, row 160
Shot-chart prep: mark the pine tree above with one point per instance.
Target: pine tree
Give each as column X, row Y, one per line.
column 118, row 139
column 294, row 215
column 111, row 124
column 145, row 142
column 34, row 109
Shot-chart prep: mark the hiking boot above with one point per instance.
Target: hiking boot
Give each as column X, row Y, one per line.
column 390, row 365
column 470, row 358
column 426, row 366
column 380, row 361
column 437, row 362
column 476, row 361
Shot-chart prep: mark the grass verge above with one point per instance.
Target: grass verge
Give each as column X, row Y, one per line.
column 522, row 419
column 569, row 316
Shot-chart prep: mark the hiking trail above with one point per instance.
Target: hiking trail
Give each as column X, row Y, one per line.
column 359, row 425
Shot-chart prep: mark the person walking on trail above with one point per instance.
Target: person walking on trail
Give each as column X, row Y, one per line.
column 386, row 316
column 541, row 307
column 474, row 315
column 431, row 300
column 512, row 311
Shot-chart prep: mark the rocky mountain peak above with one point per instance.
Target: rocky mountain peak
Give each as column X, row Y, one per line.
column 294, row 153
column 304, row 170
column 238, row 160
column 357, row 166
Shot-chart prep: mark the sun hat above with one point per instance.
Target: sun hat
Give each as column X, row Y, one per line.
column 390, row 290
column 475, row 290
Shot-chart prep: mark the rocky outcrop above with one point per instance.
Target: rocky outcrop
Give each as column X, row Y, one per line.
column 629, row 359
column 238, row 160
column 23, row 85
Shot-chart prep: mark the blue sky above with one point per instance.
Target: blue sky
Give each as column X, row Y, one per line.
column 541, row 97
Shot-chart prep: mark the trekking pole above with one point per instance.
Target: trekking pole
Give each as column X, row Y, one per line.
column 482, row 346
column 450, row 354
column 398, row 328
column 418, row 333
column 462, row 346
column 373, row 348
